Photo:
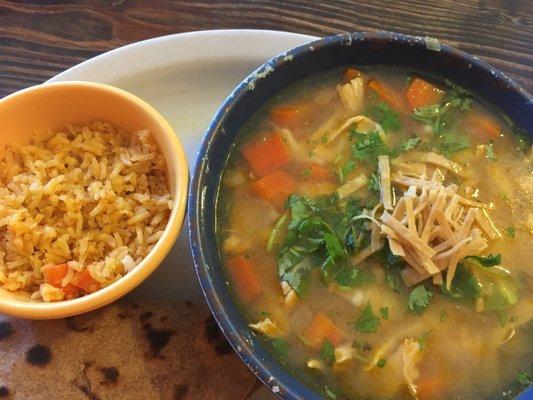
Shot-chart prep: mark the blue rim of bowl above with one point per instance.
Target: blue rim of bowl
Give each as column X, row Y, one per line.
column 223, row 306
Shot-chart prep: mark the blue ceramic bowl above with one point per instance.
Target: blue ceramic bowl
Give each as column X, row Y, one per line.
column 423, row 55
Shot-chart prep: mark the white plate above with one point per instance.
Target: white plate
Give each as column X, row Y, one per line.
column 185, row 77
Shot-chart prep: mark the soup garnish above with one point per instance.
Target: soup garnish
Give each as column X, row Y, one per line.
column 376, row 227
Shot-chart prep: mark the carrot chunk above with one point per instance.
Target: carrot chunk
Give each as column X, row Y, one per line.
column 275, row 188
column 244, row 277
column 430, row 388
column 389, row 95
column 267, row 155
column 350, row 73
column 321, row 328
column 482, row 126
column 54, row 274
column 421, row 93
column 71, row 291
column 86, row 282
column 286, row 116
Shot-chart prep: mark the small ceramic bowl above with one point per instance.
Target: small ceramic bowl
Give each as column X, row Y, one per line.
column 51, row 106
column 384, row 48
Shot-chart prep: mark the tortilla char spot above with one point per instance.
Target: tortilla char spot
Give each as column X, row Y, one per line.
column 110, row 375
column 223, row 347
column 39, row 355
column 75, row 325
column 146, row 316
column 5, row 329
column 180, row 391
column 4, row 392
column 158, row 338
column 212, row 332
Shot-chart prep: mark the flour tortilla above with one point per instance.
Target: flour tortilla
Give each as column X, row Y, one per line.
column 159, row 351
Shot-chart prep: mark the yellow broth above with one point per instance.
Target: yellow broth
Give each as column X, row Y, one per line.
column 465, row 345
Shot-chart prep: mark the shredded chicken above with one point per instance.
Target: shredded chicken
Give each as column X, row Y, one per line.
column 267, row 327
column 352, row 186
column 352, row 95
column 290, row 295
column 384, row 182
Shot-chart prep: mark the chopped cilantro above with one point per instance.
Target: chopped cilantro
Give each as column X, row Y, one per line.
column 489, row 151
column 503, row 318
column 330, row 393
column 511, row 232
column 346, row 169
column 280, row 346
column 363, row 346
column 381, row 362
column 485, row 261
column 393, row 266
column 394, row 281
column 373, row 182
column 367, row 321
column 448, row 143
column 443, row 316
column 385, row 116
column 324, row 138
column 409, row 144
column 327, row 352
column 368, row 147
column 525, row 378
column 419, row 299
column 306, row 173
column 350, row 277
column 423, row 339
column 384, row 311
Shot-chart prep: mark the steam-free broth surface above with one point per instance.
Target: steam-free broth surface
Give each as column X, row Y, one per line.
column 376, row 227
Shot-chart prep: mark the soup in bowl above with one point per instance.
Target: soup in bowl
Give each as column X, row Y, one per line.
column 372, row 223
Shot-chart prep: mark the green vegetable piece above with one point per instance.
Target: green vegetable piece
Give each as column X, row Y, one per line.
column 485, row 261
column 350, row 277
column 419, row 299
column 330, row 393
column 511, row 232
column 525, row 378
column 348, row 167
column 368, row 147
column 280, row 346
column 385, row 116
column 367, row 321
column 327, row 352
column 489, row 152
column 423, row 339
column 443, row 316
column 409, row 144
column 381, row 363
column 384, row 311
column 373, row 182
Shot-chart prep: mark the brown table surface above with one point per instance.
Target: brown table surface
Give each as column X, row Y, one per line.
column 40, row 38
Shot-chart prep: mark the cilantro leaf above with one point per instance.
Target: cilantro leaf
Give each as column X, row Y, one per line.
column 280, row 346
column 381, row 362
column 373, row 182
column 525, row 378
column 419, row 299
column 350, row 277
column 511, row 232
column 348, row 167
column 423, row 339
column 485, row 261
column 489, row 152
column 384, row 311
column 385, row 116
column 368, row 147
column 409, row 144
column 443, row 316
column 367, row 321
column 330, row 393
column 448, row 143
column 464, row 284
column 327, row 352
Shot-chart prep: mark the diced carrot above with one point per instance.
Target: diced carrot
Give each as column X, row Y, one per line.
column 482, row 126
column 275, row 188
column 287, row 116
column 323, row 328
column 267, row 155
column 421, row 93
column 389, row 95
column 71, row 291
column 320, row 173
column 54, row 274
column 244, row 277
column 86, row 282
column 430, row 388
column 350, row 73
